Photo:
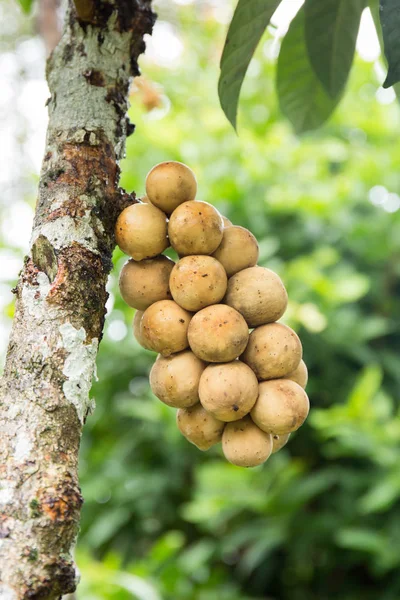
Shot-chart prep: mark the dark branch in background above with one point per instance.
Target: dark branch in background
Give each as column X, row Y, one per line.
column 48, row 23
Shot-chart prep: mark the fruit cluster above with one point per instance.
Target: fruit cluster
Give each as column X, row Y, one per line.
column 246, row 388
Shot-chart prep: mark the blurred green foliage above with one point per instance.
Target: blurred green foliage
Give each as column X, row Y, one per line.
column 321, row 520
column 26, row 5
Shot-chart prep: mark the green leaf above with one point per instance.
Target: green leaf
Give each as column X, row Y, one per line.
column 367, row 385
column 382, row 495
column 390, row 21
column 374, row 8
column 361, row 539
column 331, row 30
column 249, row 21
column 302, row 98
column 26, row 5
column 137, row 586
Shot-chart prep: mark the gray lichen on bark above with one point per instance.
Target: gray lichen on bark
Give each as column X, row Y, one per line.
column 60, row 306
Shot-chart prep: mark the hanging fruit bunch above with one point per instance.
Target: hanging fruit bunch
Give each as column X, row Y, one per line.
column 224, row 361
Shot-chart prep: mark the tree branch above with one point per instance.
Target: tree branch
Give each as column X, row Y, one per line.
column 60, row 308
column 48, row 23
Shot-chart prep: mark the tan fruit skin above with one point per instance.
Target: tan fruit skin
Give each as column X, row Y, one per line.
column 227, row 222
column 137, row 329
column 175, row 380
column 245, row 445
column 141, row 231
column 164, row 327
column 228, row 391
column 218, row 333
column 258, row 294
column 282, row 406
column 198, row 281
column 273, row 351
column 299, row 375
column 169, row 184
column 199, row 427
column 238, row 250
column 195, row 228
column 145, row 282
column 279, row 441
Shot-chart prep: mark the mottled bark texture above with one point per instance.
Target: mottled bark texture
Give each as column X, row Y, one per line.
column 61, row 296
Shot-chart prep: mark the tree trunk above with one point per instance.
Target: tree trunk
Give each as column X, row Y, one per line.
column 61, row 296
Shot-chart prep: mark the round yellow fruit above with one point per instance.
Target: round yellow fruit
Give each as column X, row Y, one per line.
column 164, row 327
column 169, row 184
column 198, row 281
column 238, row 250
column 141, row 231
column 227, row 222
column 273, row 351
column 145, row 282
column 258, row 294
column 218, row 333
column 137, row 328
column 228, row 391
column 299, row 375
column 175, row 379
column 282, row 406
column 278, row 441
column 245, row 445
column 195, row 228
column 199, row 427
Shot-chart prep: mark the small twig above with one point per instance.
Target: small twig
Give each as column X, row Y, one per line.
column 48, row 23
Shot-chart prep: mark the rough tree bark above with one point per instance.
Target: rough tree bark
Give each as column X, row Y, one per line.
column 61, row 296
